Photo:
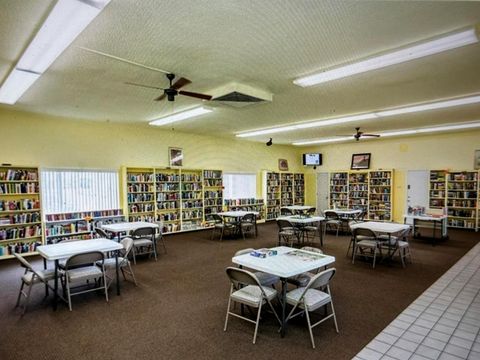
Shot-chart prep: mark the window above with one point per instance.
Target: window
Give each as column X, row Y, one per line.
column 239, row 186
column 66, row 190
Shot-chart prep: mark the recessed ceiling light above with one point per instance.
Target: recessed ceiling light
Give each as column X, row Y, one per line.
column 188, row 114
column 405, row 54
column 453, row 127
column 366, row 116
column 64, row 23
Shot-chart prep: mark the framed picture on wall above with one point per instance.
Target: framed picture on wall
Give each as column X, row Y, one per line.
column 476, row 164
column 360, row 161
column 175, row 156
column 282, row 165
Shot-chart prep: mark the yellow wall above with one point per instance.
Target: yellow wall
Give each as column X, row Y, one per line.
column 453, row 151
column 29, row 139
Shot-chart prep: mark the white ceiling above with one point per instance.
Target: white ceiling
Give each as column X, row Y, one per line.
column 265, row 44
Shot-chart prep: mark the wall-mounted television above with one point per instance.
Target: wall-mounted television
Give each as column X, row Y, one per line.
column 312, row 159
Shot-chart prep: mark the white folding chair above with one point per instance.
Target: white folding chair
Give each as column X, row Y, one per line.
column 246, row 289
column 311, row 298
column 123, row 262
column 264, row 278
column 304, row 278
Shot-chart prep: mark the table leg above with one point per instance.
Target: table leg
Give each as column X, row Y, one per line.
column 321, row 225
column 45, row 268
column 117, row 273
column 55, row 295
column 284, row 305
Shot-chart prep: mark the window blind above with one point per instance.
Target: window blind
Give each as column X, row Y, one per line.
column 239, row 186
column 66, row 190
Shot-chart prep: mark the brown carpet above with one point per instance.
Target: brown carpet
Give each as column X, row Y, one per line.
column 178, row 310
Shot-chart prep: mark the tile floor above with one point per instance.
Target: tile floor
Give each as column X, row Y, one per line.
column 443, row 323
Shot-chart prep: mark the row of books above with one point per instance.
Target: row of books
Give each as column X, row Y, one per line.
column 18, row 175
column 142, row 177
column 191, row 177
column 24, row 204
column 135, row 198
column 20, row 232
column 167, row 177
column 19, row 248
column 19, row 188
column 136, row 208
column 21, row 218
column 140, row 187
column 83, row 215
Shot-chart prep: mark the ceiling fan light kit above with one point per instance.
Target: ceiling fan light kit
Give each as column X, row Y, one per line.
column 408, row 53
column 65, row 22
column 183, row 115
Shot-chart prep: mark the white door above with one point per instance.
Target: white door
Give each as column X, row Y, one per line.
column 417, row 188
column 322, row 192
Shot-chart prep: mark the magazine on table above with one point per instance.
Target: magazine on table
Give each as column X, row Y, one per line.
column 305, row 256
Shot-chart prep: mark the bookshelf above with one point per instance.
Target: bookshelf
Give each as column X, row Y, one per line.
column 437, row 189
column 380, row 195
column 358, row 190
column 299, row 189
column 251, row 204
column 167, row 199
column 462, row 199
column 286, row 189
column 212, row 191
column 78, row 225
column 141, row 195
column 272, row 193
column 191, row 188
column 339, row 190
column 20, row 211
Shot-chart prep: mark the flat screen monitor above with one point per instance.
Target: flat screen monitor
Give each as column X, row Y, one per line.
column 312, row 159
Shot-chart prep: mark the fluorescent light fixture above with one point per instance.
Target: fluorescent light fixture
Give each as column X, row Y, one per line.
column 453, row 127
column 366, row 116
column 181, row 116
column 16, row 84
column 64, row 23
column 405, row 54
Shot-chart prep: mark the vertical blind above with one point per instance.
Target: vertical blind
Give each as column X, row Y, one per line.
column 66, row 190
column 239, row 186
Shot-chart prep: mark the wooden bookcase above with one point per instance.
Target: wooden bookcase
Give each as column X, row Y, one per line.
column 167, row 197
column 213, row 191
column 339, row 190
column 299, row 189
column 380, row 195
column 20, row 211
column 358, row 190
column 252, row 204
column 141, row 194
column 437, row 190
column 369, row 190
column 462, row 199
column 286, row 189
column 191, row 187
column 78, row 225
column 272, row 194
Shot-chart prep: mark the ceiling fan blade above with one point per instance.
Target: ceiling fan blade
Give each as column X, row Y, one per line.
column 161, row 97
column 345, row 135
column 124, row 60
column 180, row 83
column 371, row 135
column 145, row 86
column 195, row 95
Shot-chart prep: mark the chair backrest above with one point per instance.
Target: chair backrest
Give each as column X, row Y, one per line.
column 24, row 263
column 68, row 240
column 312, row 249
column 363, row 232
column 216, row 218
column 311, row 211
column 282, row 224
column 285, row 211
column 321, row 279
column 331, row 215
column 244, row 251
column 143, row 232
column 84, row 259
column 360, row 216
column 242, row 276
column 127, row 244
column 102, row 233
column 248, row 218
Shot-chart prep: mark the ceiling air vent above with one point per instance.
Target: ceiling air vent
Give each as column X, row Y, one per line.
column 240, row 95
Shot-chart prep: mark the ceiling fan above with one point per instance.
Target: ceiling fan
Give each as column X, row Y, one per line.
column 173, row 90
column 359, row 134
